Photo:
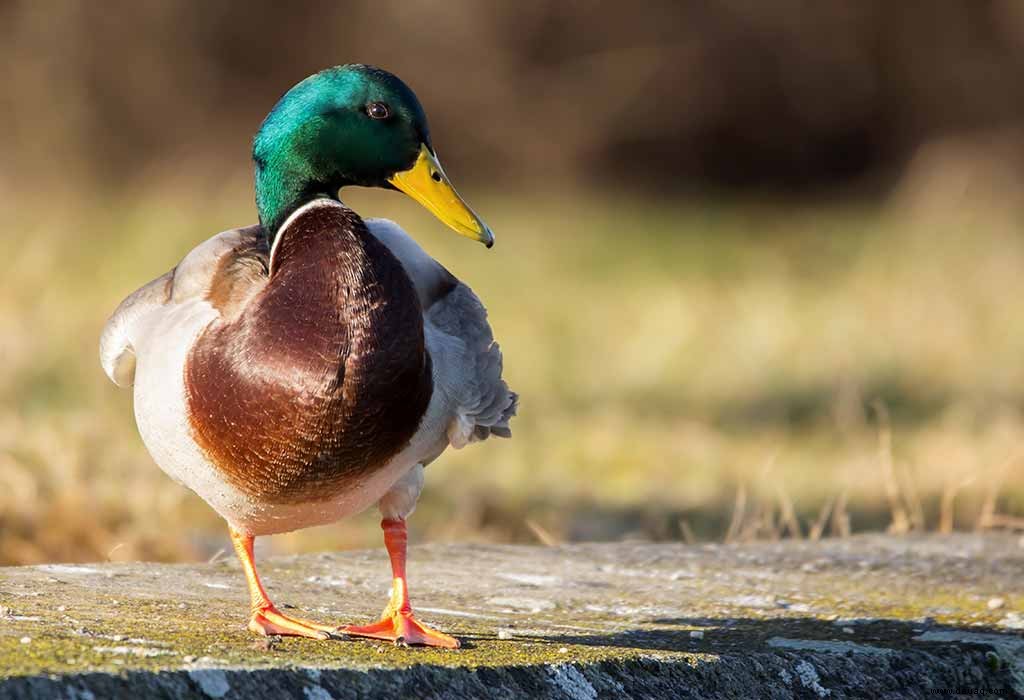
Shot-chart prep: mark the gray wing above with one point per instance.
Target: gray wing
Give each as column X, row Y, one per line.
column 213, row 270
column 117, row 351
column 467, row 360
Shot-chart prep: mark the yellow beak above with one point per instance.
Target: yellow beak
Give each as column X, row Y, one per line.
column 426, row 182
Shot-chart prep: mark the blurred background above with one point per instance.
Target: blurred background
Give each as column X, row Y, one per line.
column 756, row 276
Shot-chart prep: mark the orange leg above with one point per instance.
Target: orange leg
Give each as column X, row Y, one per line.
column 266, row 619
column 398, row 624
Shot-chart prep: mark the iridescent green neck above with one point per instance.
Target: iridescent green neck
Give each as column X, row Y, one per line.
column 283, row 185
column 290, row 167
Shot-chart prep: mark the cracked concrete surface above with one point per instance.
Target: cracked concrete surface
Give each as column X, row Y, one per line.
column 866, row 616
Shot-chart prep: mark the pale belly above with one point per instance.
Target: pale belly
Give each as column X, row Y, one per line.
column 161, row 416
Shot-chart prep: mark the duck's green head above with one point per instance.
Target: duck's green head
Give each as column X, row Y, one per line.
column 352, row 125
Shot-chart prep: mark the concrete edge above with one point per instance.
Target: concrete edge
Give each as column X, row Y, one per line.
column 963, row 666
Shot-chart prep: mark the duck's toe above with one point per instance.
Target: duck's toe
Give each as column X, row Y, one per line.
column 272, row 621
column 403, row 629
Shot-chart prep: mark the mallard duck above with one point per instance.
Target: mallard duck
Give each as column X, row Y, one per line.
column 296, row 372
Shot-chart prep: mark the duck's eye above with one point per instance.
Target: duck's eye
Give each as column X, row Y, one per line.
column 378, row 110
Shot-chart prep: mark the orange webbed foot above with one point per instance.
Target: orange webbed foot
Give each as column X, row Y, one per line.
column 270, row 620
column 403, row 629
column 398, row 624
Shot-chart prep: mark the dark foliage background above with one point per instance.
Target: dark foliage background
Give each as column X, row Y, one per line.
column 663, row 94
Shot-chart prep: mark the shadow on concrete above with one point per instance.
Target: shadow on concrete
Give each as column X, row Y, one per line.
column 723, row 635
column 845, row 658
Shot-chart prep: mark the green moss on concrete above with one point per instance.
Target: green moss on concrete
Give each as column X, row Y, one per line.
column 64, row 655
column 591, row 605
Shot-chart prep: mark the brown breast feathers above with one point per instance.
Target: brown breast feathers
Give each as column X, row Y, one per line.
column 322, row 376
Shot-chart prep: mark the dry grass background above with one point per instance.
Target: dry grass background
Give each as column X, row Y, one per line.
column 688, row 370
column 692, row 366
